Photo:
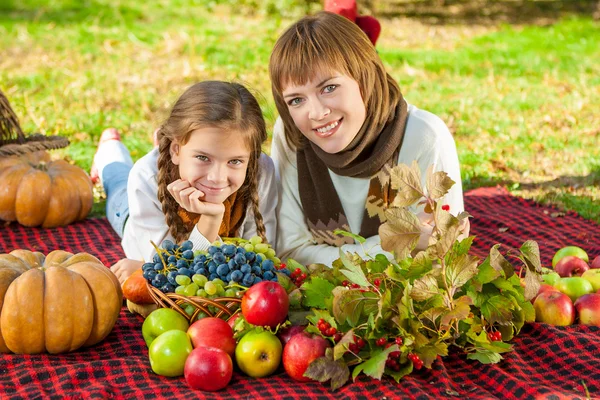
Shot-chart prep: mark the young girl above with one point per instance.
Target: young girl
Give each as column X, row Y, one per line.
column 206, row 179
column 343, row 124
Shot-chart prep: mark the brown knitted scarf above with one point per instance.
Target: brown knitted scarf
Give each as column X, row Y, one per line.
column 371, row 154
column 235, row 212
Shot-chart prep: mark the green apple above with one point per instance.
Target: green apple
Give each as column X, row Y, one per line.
column 569, row 251
column 168, row 353
column 160, row 321
column 551, row 278
column 574, row 286
column 258, row 353
column 593, row 277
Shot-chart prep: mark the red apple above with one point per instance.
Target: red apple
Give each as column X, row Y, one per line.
column 571, row 266
column 300, row 351
column 212, row 332
column 265, row 304
column 208, row 368
column 288, row 332
column 596, row 263
column 588, row 308
column 555, row 308
column 544, row 288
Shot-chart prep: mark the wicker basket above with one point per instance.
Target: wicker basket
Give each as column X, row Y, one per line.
column 14, row 142
column 227, row 305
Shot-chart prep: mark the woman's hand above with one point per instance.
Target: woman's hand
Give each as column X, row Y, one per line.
column 125, row 267
column 188, row 197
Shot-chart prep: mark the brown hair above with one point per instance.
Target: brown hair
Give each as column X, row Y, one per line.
column 225, row 105
column 327, row 42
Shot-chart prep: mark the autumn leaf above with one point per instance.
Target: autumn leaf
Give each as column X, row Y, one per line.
column 324, row 369
column 532, row 285
column 530, row 252
column 400, row 233
column 461, row 271
column 353, row 272
column 421, row 265
column 341, row 347
column 407, row 181
column 460, row 311
column 499, row 263
column 485, row 356
column 438, row 183
column 424, row 288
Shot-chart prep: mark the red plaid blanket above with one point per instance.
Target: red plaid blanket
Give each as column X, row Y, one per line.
column 547, row 362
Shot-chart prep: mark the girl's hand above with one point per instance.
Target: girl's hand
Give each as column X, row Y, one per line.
column 125, row 267
column 188, row 197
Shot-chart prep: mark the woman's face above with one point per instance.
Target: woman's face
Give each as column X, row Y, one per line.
column 328, row 109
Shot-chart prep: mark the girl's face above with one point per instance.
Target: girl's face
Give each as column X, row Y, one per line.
column 328, row 110
column 213, row 161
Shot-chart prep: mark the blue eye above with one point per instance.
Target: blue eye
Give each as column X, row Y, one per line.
column 329, row 88
column 294, row 102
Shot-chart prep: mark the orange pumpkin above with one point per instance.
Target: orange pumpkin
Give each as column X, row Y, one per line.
column 36, row 191
column 56, row 303
column 136, row 290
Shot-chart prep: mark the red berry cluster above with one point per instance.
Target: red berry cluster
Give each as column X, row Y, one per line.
column 446, row 207
column 383, row 341
column 495, row 336
column 417, row 362
column 328, row 330
column 298, row 277
column 350, row 285
column 357, row 345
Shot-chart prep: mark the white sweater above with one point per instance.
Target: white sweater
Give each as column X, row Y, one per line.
column 426, row 140
column 147, row 223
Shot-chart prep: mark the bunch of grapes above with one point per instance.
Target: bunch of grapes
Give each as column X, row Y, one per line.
column 235, row 262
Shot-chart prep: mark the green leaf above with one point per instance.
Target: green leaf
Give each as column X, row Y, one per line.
column 499, row 263
column 378, row 265
column 438, row 183
column 486, row 273
column 421, row 265
column 400, row 233
column 424, row 288
column 324, row 369
column 407, row 181
column 358, row 238
column 462, row 247
column 461, row 271
column 485, row 356
column 384, row 305
column 497, row 309
column 348, row 306
column 316, row 291
column 298, row 317
column 375, row 365
column 353, row 272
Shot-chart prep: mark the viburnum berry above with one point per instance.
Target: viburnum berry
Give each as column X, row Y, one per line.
column 337, row 337
column 446, row 207
column 394, row 354
column 381, row 341
column 353, row 348
column 361, row 343
column 398, row 341
column 282, row 266
column 377, row 282
column 345, row 283
column 355, row 285
column 331, row 331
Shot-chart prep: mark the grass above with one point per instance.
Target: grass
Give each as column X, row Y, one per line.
column 521, row 100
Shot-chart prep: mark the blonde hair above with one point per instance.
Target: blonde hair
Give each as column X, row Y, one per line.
column 326, row 42
column 225, row 105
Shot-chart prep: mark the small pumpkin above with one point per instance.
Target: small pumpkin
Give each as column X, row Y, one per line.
column 56, row 303
column 36, row 191
column 136, row 290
